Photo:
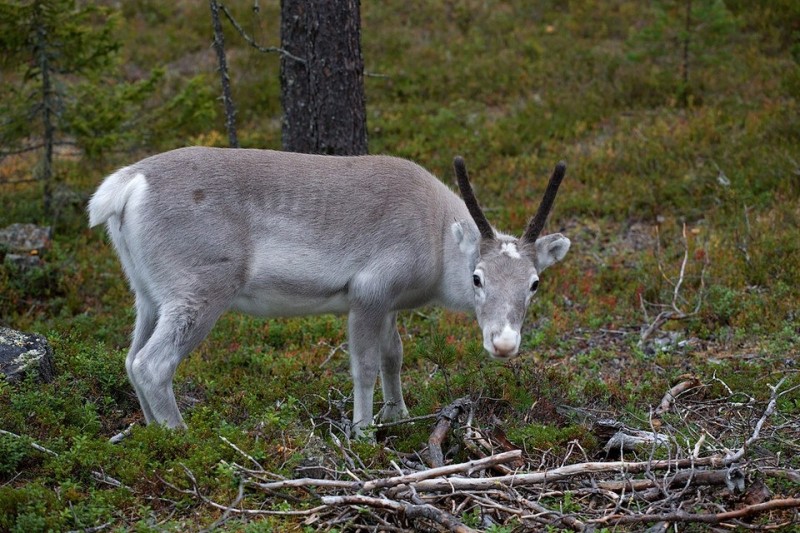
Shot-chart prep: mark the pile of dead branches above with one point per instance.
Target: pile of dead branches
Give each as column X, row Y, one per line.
column 683, row 468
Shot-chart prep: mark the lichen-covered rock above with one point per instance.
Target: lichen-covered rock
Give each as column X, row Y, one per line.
column 25, row 238
column 22, row 353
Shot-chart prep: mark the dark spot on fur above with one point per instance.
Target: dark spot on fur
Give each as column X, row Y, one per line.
column 199, row 195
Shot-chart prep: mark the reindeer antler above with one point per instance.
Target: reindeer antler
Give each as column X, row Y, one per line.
column 537, row 222
column 468, row 195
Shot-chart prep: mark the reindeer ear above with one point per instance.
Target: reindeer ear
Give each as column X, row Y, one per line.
column 466, row 237
column 549, row 250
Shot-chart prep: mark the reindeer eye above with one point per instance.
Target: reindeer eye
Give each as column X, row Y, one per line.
column 476, row 280
column 534, row 285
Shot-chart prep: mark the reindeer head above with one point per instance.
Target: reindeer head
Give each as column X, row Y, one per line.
column 505, row 270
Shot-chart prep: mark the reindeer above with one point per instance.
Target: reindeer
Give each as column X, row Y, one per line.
column 203, row 230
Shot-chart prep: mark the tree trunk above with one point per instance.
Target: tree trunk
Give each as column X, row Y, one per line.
column 48, row 107
column 219, row 47
column 324, row 109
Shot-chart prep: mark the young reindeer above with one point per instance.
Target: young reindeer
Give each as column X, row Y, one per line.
column 202, row 230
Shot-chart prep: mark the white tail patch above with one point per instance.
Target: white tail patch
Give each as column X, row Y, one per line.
column 510, row 249
column 113, row 194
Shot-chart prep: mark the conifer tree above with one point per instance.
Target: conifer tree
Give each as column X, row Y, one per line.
column 47, row 45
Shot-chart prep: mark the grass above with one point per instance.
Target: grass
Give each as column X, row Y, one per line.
column 514, row 88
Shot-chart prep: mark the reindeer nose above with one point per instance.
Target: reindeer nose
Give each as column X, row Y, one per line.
column 506, row 343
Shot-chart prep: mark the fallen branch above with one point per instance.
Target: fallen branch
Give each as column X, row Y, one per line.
column 446, row 417
column 411, row 511
column 407, row 479
column 195, row 492
column 558, row 518
column 355, row 496
column 564, row 472
column 630, row 439
column 734, row 457
column 33, row 445
column 675, row 313
column 711, row 518
column 478, row 445
column 411, row 420
column 681, row 478
column 674, row 392
column 99, row 476
column 122, row 435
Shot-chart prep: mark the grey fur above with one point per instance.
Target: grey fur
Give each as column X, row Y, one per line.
column 284, row 234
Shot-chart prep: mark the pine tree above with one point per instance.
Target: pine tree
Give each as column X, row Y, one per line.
column 47, row 45
column 324, row 108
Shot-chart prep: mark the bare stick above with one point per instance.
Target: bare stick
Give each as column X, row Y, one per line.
column 333, row 352
column 119, row 437
column 195, row 492
column 564, row 472
column 697, row 477
column 446, row 417
column 712, row 518
column 735, row 457
column 415, row 477
column 35, row 446
column 675, row 313
column 677, row 289
column 93, row 529
column 252, row 41
column 98, row 475
column 674, row 392
column 242, row 453
column 567, row 521
column 411, row 511
column 382, row 425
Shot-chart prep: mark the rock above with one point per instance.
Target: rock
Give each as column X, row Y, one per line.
column 25, row 238
column 23, row 244
column 21, row 353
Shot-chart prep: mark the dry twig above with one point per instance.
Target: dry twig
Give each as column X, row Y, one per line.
column 674, row 311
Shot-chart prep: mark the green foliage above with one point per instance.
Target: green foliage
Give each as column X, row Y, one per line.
column 12, row 452
column 116, row 112
column 47, row 43
column 61, row 32
column 544, row 437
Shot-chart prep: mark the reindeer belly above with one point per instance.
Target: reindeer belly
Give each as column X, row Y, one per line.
column 293, row 285
column 280, row 304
